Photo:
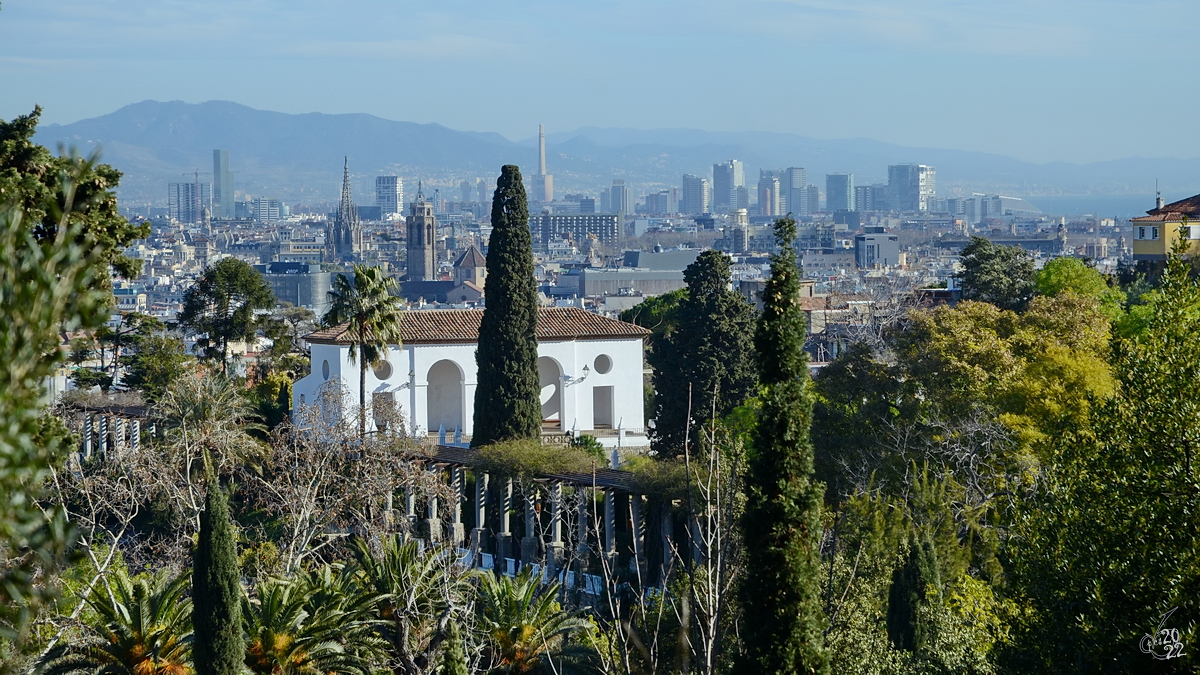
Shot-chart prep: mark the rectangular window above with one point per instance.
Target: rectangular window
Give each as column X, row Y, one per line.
column 1154, row 233
column 1141, row 233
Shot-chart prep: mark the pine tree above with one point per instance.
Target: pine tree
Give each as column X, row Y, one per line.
column 781, row 523
column 507, row 399
column 711, row 349
column 454, row 652
column 218, row 646
column 915, row 584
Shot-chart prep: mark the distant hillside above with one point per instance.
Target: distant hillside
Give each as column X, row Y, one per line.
column 299, row 157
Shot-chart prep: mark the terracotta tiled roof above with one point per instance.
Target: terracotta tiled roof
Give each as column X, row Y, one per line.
column 1189, row 207
column 432, row 326
column 471, row 258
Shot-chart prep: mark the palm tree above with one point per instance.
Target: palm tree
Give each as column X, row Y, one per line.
column 289, row 635
column 145, row 629
column 372, row 315
column 414, row 596
column 528, row 631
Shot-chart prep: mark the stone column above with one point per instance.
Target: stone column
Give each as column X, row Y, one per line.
column 458, row 482
column 86, row 448
column 555, row 550
column 433, row 525
column 103, row 433
column 135, row 434
column 638, row 522
column 529, row 543
column 610, row 524
column 504, row 540
column 118, row 434
column 479, row 534
column 666, row 529
column 410, row 507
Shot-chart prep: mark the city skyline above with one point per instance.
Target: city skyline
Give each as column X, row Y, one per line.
column 1033, row 81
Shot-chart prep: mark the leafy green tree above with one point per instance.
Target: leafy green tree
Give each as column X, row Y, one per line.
column 711, row 349
column 57, row 192
column 141, row 626
column 133, row 326
column 219, row 308
column 157, row 360
column 1001, row 275
column 86, row 378
column 372, row 316
column 781, row 524
column 507, row 399
column 1108, row 545
column 1072, row 274
column 527, row 630
column 46, row 285
column 217, row 589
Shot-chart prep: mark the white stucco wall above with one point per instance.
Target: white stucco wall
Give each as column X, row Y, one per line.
column 409, row 381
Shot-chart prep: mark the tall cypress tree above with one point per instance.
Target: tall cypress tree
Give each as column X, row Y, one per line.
column 781, row 524
column 916, row 583
column 507, row 399
column 218, row 647
column 454, row 652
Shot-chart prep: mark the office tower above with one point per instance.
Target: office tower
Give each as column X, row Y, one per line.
column 839, row 192
column 618, row 200
column 791, row 186
column 389, row 195
column 812, row 198
column 577, row 227
column 422, row 233
column 484, row 191
column 344, row 238
column 871, row 197
column 660, row 202
column 728, row 177
column 222, row 196
column 587, row 205
column 187, row 202
column 465, row 188
column 266, row 209
column 543, row 183
column 696, row 197
column 768, row 192
column 910, row 186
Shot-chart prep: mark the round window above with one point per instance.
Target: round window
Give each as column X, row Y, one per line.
column 603, row 364
column 383, row 370
column 325, row 369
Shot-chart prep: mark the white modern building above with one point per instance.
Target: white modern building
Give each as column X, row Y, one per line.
column 590, row 368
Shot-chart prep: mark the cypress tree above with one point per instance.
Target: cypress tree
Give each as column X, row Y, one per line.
column 780, row 591
column 911, row 588
column 454, row 653
column 711, row 348
column 218, row 647
column 507, row 398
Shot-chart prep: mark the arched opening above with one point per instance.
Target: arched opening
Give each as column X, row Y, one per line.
column 445, row 396
column 550, row 377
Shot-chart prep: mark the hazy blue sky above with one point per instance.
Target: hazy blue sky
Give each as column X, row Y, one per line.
column 1041, row 80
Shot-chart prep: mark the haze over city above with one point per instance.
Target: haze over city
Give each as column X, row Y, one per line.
column 1067, row 81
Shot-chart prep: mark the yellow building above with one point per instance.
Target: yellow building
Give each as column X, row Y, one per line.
column 1155, row 234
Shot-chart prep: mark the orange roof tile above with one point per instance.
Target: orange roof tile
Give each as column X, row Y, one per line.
column 1174, row 211
column 433, row 326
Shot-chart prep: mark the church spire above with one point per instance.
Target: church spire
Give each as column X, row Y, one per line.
column 346, row 211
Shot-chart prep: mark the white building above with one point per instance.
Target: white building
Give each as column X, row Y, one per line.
column 590, row 368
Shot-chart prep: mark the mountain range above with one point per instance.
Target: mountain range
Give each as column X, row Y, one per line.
column 299, row 157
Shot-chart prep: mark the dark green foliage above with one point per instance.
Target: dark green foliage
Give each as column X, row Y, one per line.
column 659, row 313
column 44, row 187
column 711, row 349
column 1001, row 275
column 158, row 360
column 507, row 400
column 86, row 378
column 1110, row 543
column 780, row 592
column 915, row 584
column 454, row 652
column 46, row 285
column 219, row 308
column 217, row 589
